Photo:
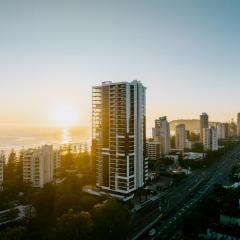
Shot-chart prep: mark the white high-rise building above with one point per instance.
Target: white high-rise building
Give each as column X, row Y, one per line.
column 39, row 165
column 161, row 133
column 180, row 137
column 238, row 124
column 203, row 124
column 210, row 139
column 2, row 159
column 119, row 137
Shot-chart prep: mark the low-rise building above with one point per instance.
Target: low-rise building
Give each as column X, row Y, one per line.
column 39, row 165
column 194, row 156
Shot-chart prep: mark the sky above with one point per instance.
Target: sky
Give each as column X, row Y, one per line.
column 186, row 53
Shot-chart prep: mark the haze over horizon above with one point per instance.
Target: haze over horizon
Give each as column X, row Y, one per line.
column 52, row 53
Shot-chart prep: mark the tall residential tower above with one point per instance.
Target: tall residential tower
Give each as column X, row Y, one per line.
column 161, row 133
column 2, row 161
column 238, row 125
column 203, row 124
column 119, row 137
column 180, row 137
column 39, row 165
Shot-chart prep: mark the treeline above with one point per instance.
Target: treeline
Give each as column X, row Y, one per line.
column 76, row 160
column 12, row 180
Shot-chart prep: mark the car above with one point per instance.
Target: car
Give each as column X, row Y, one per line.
column 152, row 232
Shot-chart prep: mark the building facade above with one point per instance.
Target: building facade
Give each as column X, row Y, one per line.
column 222, row 131
column 153, row 150
column 56, row 159
column 180, row 137
column 39, row 165
column 119, row 137
column 210, row 139
column 238, row 124
column 203, row 125
column 2, row 160
column 161, row 133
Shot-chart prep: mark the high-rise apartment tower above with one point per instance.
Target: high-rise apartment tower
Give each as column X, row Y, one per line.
column 119, row 137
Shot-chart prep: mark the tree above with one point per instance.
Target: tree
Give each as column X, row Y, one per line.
column 66, row 202
column 13, row 178
column 111, row 220
column 67, row 161
column 74, row 226
column 10, row 167
column 44, row 202
column 15, row 233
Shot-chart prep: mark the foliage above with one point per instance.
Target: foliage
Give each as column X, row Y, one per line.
column 76, row 160
column 63, row 211
column 15, row 233
column 111, row 220
column 74, row 226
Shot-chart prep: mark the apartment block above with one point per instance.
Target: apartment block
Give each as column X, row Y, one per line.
column 39, row 165
column 119, row 137
column 238, row 125
column 2, row 159
column 161, row 133
column 204, row 123
column 180, row 137
column 222, row 130
column 153, row 150
column 210, row 139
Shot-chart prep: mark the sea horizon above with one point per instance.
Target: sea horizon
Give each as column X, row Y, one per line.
column 19, row 137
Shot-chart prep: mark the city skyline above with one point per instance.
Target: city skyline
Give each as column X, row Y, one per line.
column 119, row 119
column 52, row 54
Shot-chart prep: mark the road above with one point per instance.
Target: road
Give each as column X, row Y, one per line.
column 186, row 196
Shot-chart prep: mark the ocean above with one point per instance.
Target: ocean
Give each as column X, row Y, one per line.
column 18, row 138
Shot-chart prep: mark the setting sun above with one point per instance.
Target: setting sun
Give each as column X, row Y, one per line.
column 65, row 116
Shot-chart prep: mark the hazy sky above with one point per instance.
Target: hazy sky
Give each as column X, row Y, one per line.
column 187, row 54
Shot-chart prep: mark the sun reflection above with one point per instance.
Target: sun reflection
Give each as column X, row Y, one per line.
column 66, row 136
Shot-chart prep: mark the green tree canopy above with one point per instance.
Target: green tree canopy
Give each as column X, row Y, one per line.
column 74, row 226
column 111, row 220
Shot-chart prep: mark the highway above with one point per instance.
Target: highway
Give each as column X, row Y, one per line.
column 186, row 196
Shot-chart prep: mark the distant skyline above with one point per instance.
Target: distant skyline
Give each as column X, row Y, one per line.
column 186, row 53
